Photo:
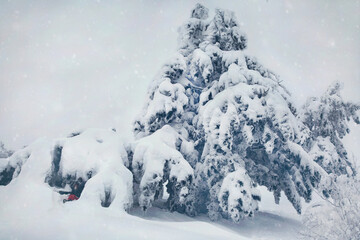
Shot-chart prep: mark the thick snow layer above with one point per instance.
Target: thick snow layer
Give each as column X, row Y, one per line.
column 70, row 222
column 66, row 223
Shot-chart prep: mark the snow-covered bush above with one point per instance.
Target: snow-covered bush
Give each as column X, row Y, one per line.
column 95, row 157
column 236, row 115
column 338, row 217
column 99, row 158
column 327, row 118
column 10, row 166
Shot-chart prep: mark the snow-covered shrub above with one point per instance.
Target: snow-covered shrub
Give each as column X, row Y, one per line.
column 338, row 217
column 99, row 158
column 327, row 117
column 235, row 114
column 10, row 167
column 95, row 157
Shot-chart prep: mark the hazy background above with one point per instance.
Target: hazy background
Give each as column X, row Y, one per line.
column 67, row 65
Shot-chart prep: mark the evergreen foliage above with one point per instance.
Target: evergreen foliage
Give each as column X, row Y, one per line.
column 241, row 121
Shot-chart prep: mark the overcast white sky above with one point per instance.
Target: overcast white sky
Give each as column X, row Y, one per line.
column 67, row 65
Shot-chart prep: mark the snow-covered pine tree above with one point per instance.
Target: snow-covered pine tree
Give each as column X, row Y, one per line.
column 235, row 123
column 327, row 118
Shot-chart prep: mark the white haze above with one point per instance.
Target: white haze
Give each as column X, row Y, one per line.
column 67, row 65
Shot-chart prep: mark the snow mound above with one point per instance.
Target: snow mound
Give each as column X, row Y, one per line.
column 95, row 157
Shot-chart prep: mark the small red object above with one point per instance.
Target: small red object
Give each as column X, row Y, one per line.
column 72, row 197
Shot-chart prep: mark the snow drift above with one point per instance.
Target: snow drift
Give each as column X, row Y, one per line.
column 40, row 170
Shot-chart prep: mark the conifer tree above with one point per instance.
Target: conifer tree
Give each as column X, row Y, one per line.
column 236, row 116
column 327, row 118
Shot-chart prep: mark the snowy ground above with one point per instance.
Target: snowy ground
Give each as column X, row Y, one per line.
column 156, row 224
column 69, row 221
